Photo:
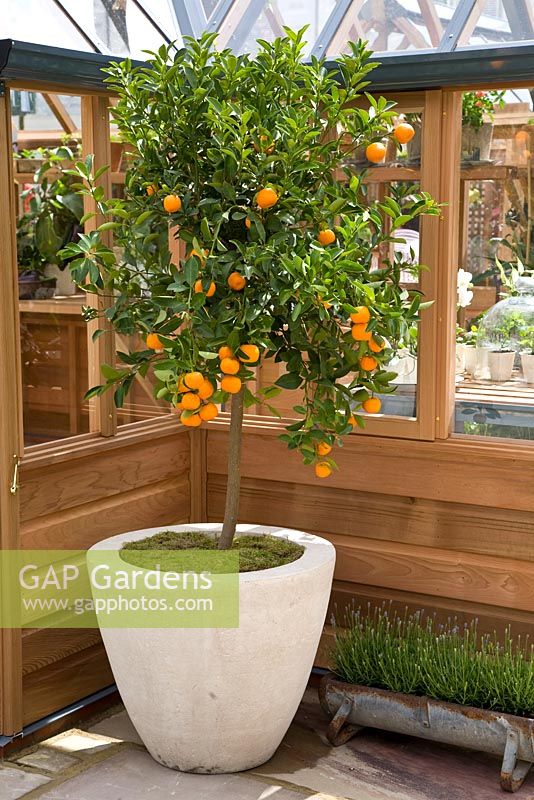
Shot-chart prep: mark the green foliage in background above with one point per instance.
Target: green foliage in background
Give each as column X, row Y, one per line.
column 53, row 211
column 412, row 653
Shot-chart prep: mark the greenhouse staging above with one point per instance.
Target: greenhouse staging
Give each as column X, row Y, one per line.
column 266, row 399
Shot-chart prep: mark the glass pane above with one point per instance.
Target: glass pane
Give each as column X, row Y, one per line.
column 119, row 28
column 403, row 25
column 53, row 333
column 140, row 403
column 495, row 342
column 497, row 22
column 41, row 22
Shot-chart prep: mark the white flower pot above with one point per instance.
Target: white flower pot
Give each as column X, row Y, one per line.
column 481, row 371
column 460, row 358
column 214, row 700
column 65, row 287
column 527, row 362
column 470, row 358
column 501, row 365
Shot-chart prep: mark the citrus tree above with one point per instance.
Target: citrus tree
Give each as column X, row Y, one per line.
column 241, row 158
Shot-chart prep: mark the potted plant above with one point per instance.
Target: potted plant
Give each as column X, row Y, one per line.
column 526, row 344
column 53, row 211
column 441, row 682
column 237, row 156
column 478, row 110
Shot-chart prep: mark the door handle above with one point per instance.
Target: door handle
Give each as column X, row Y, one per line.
column 15, row 482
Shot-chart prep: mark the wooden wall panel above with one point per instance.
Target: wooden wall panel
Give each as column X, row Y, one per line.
column 96, row 491
column 416, row 523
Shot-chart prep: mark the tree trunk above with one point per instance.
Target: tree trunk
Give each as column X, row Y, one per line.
column 233, row 486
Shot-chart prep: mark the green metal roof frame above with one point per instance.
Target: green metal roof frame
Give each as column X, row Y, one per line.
column 413, row 69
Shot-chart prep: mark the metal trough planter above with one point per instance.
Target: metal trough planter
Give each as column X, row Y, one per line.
column 355, row 707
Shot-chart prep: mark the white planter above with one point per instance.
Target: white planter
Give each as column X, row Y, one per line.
column 501, row 365
column 482, row 371
column 527, row 362
column 405, row 365
column 460, row 358
column 470, row 358
column 65, row 287
column 220, row 700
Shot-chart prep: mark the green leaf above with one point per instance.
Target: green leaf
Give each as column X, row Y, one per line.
column 289, row 380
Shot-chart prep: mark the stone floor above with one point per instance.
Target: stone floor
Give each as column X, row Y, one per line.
column 106, row 761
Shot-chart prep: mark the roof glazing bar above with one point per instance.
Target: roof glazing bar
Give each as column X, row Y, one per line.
column 459, row 20
column 190, row 16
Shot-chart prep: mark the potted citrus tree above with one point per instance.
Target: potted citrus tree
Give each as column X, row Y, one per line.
column 237, row 156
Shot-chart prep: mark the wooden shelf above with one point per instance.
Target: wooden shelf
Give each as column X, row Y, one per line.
column 55, row 305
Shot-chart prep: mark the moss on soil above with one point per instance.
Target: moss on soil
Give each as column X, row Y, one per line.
column 255, row 552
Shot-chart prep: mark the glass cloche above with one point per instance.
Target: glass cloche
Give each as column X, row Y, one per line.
column 503, row 327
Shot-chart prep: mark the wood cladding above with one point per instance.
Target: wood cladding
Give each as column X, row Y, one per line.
column 134, row 481
column 419, row 524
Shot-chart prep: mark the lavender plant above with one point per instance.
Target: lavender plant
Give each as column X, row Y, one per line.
column 414, row 654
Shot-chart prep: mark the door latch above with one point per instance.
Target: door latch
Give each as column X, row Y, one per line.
column 15, row 482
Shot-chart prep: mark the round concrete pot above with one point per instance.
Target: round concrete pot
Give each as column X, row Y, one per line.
column 501, row 364
column 527, row 362
column 214, row 700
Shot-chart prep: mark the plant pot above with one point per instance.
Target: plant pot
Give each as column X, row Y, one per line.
column 501, row 364
column 353, row 707
column 65, row 287
column 405, row 365
column 470, row 358
column 527, row 363
column 33, row 286
column 214, row 700
column 460, row 358
column 28, row 164
column 476, row 142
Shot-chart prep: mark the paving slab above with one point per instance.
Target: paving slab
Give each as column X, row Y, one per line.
column 47, row 759
column 14, row 783
column 119, row 727
column 80, row 742
column 376, row 765
column 133, row 775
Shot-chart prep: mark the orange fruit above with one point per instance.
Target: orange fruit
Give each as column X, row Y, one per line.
column 153, row 342
column 191, row 420
column 172, row 203
column 248, row 223
column 236, row 281
column 208, row 411
column 361, row 316
column 352, row 420
column 267, row 198
column 404, row 132
column 201, row 256
column 190, row 401
column 323, row 448
column 376, row 347
column 323, row 469
column 522, row 137
column 250, row 353
column 193, row 380
column 375, row 152
column 209, row 292
column 368, row 363
column 230, row 366
column 327, row 236
column 151, row 190
column 372, row 405
column 360, row 333
column 225, row 352
column 181, row 385
column 231, row 384
column 205, row 389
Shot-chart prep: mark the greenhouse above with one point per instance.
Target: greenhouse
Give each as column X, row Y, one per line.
column 266, row 399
